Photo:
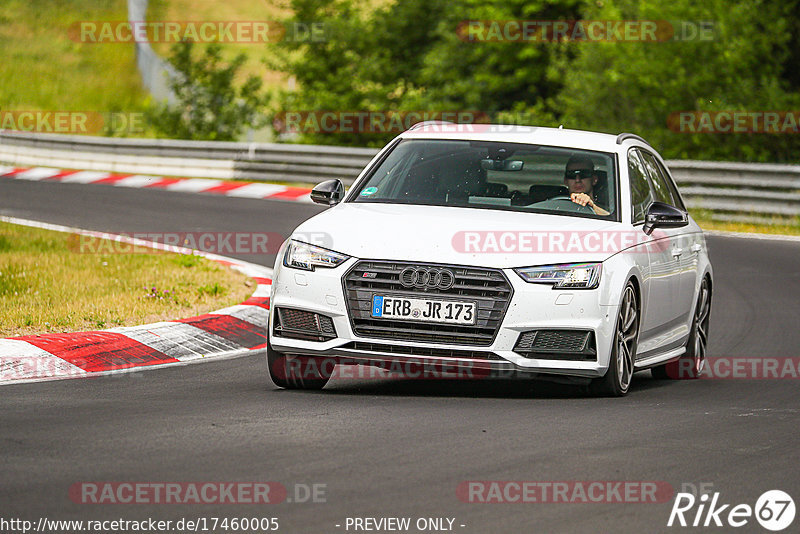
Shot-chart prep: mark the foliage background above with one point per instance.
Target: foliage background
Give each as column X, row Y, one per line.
column 406, row 55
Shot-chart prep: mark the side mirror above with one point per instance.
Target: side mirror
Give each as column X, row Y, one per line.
column 660, row 215
column 329, row 193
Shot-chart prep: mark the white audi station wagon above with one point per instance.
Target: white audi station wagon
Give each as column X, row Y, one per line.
column 496, row 251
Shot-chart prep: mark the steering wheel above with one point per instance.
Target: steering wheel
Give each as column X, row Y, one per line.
column 577, row 207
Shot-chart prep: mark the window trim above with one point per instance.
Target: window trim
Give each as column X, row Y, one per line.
column 370, row 169
column 634, row 150
column 668, row 179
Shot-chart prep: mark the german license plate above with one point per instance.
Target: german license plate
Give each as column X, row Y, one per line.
column 426, row 310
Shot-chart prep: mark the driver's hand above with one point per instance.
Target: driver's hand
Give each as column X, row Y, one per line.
column 585, row 200
column 582, row 198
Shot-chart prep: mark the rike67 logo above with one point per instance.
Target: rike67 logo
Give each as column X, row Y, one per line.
column 774, row 510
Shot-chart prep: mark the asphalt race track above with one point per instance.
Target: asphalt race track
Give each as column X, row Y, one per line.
column 394, row 448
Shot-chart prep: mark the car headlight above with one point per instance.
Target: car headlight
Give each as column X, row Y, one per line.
column 307, row 257
column 565, row 276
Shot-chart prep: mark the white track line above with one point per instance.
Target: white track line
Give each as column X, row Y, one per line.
column 256, row 190
column 178, row 340
column 193, row 185
column 85, row 177
column 138, row 180
column 19, row 360
column 251, row 314
column 262, row 291
column 37, row 173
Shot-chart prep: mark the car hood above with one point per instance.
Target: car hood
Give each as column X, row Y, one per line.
column 462, row 236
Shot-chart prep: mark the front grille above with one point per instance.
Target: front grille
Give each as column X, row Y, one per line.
column 488, row 288
column 557, row 344
column 301, row 324
column 422, row 351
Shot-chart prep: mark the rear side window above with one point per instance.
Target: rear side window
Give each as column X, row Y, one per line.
column 641, row 196
column 662, row 185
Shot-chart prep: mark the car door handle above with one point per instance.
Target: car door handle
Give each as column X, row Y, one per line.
column 677, row 252
column 697, row 248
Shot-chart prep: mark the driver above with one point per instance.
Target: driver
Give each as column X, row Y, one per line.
column 580, row 179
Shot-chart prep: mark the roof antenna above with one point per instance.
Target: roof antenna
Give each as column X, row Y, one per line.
column 560, row 126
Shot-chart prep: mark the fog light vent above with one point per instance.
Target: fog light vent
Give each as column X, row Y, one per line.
column 557, row 344
column 301, row 324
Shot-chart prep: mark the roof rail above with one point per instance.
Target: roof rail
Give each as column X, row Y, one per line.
column 428, row 123
column 625, row 136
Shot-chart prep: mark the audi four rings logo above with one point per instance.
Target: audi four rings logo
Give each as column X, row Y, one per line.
column 427, row 278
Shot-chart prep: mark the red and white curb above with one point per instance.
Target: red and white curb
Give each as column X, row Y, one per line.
column 229, row 332
column 240, row 189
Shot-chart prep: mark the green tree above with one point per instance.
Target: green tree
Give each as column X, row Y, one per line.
column 370, row 60
column 505, row 79
column 209, row 105
column 749, row 64
column 409, row 56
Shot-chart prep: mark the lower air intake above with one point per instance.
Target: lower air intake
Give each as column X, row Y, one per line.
column 557, row 345
column 301, row 324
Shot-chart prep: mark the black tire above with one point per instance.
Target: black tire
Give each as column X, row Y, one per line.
column 691, row 364
column 617, row 380
column 297, row 372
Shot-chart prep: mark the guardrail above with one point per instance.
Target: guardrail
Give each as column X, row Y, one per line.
column 738, row 191
column 741, row 191
column 201, row 159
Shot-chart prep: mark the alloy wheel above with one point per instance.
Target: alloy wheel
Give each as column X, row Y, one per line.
column 626, row 337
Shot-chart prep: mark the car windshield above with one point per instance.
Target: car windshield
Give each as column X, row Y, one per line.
column 494, row 175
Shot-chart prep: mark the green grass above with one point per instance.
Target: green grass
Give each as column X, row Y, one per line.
column 212, row 290
column 47, row 285
column 43, row 69
column 779, row 226
column 231, row 10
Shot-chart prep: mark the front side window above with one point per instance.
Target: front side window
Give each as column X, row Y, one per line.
column 661, row 190
column 641, row 195
column 494, row 175
column 663, row 187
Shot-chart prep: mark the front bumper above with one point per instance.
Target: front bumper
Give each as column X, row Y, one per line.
column 532, row 306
